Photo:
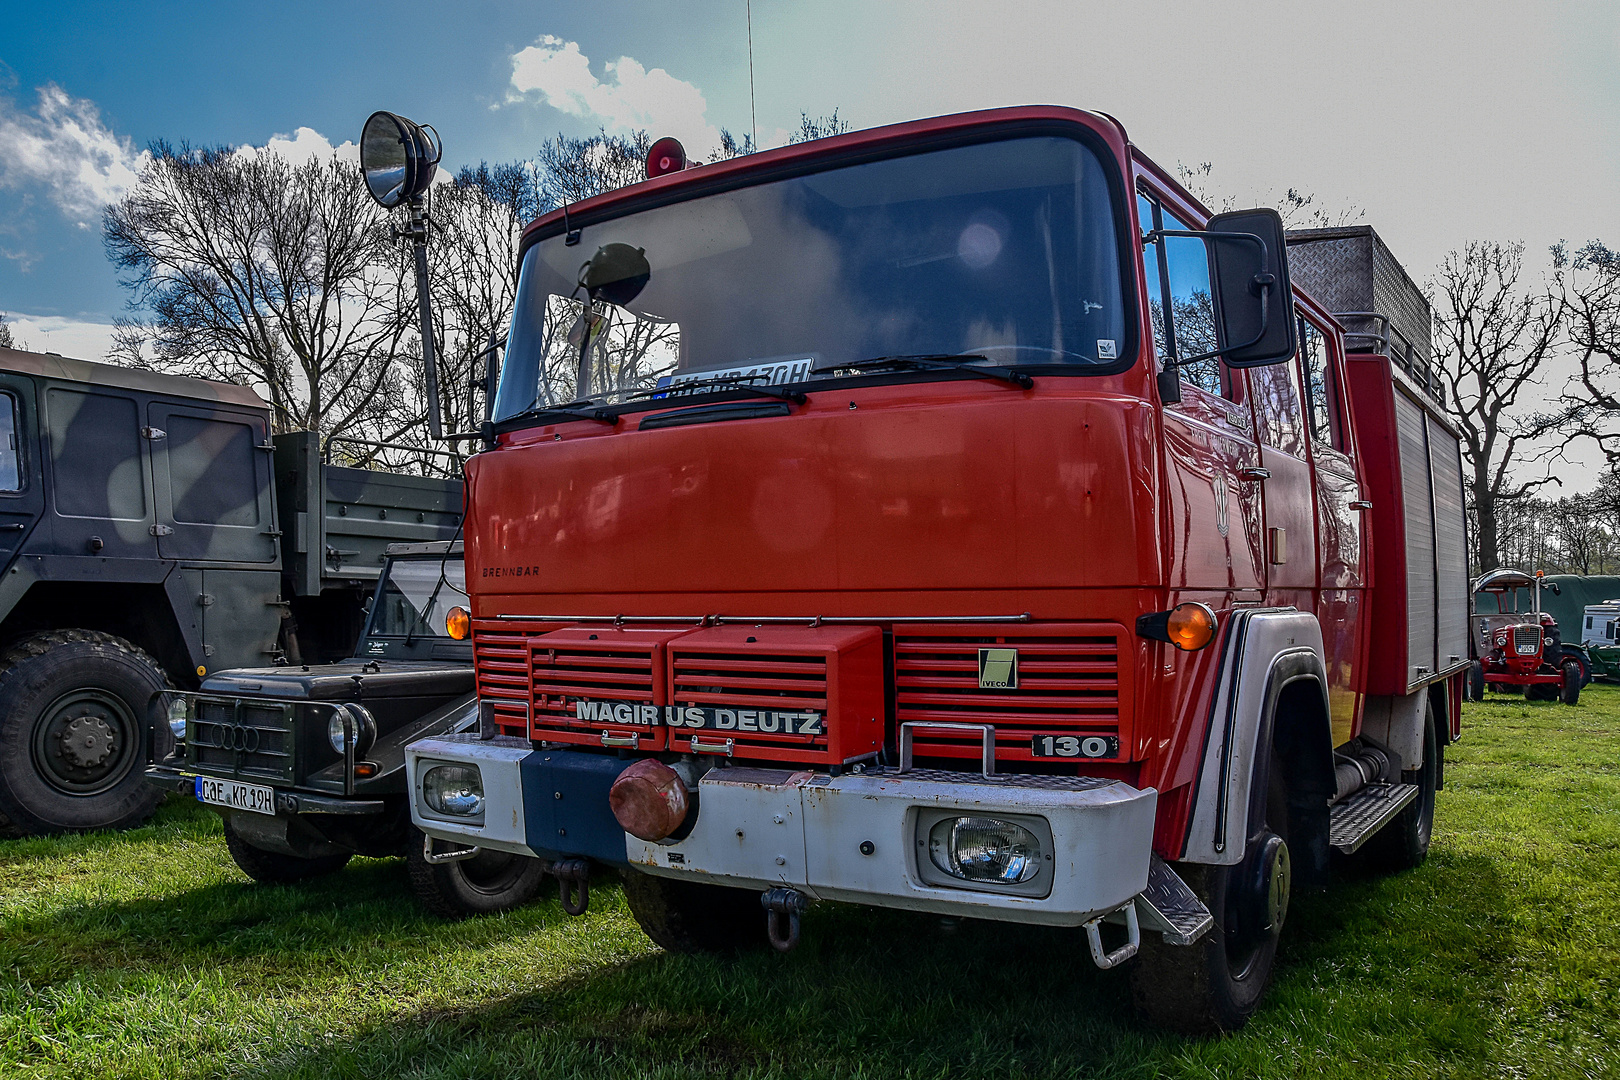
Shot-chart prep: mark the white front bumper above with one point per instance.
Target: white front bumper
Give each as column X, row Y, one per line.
column 761, row 828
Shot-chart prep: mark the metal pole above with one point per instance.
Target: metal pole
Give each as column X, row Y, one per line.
column 424, row 304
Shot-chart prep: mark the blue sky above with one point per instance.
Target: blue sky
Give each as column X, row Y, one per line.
column 1444, row 121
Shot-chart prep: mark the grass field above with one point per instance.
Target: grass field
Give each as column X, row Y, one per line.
column 147, row 954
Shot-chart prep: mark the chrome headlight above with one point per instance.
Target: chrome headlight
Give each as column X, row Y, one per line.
column 179, row 713
column 361, row 722
column 454, row 790
column 985, row 849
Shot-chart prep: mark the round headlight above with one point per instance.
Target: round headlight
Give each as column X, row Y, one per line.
column 179, row 712
column 361, row 723
column 454, row 790
column 985, row 849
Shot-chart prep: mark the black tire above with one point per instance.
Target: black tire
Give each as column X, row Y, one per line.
column 1573, row 655
column 275, row 867
column 1569, row 692
column 488, row 882
column 690, row 917
column 1404, row 843
column 1476, row 681
column 75, row 733
column 1215, row 984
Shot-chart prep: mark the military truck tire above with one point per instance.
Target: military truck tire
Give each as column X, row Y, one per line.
column 74, row 733
column 275, row 867
column 1404, row 843
column 692, row 917
column 1215, row 984
column 488, row 882
column 1570, row 691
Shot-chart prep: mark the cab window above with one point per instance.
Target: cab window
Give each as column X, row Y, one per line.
column 10, row 464
column 1180, row 299
column 1322, row 398
column 416, row 597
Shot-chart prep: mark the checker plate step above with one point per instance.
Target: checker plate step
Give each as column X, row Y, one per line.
column 1170, row 907
column 1357, row 818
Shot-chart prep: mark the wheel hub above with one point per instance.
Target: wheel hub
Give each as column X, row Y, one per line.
column 88, row 741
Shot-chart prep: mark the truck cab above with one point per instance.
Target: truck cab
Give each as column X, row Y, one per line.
column 955, row 517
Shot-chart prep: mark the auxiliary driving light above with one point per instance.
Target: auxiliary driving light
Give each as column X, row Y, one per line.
column 985, row 849
column 454, row 790
column 458, row 623
column 361, row 723
column 1189, row 626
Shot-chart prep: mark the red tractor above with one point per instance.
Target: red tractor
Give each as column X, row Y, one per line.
column 1519, row 652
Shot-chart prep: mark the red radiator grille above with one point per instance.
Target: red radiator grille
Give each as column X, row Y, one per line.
column 801, row 694
column 501, row 660
column 600, row 687
column 1069, row 684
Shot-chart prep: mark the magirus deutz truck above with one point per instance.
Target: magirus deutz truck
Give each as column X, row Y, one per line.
column 957, row 517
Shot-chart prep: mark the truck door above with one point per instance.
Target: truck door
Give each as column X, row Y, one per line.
column 211, row 479
column 21, row 499
column 1214, row 492
column 100, row 481
column 1341, row 529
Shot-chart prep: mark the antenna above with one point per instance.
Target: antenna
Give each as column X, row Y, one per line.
column 753, row 117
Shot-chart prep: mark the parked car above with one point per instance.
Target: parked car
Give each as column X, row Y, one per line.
column 306, row 762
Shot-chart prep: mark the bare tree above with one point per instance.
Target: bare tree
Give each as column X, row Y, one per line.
column 818, row 127
column 1492, row 340
column 6, row 341
column 278, row 276
column 1589, row 284
column 1299, row 209
column 569, row 170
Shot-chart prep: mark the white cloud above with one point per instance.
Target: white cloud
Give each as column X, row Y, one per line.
column 74, row 338
column 626, row 97
column 64, row 146
column 306, row 143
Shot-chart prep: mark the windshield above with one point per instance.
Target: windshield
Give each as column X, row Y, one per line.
column 1005, row 250
column 413, row 601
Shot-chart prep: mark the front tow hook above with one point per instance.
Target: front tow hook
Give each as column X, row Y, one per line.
column 573, row 885
column 782, row 910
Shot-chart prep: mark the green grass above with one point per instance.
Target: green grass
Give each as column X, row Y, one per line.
column 147, row 954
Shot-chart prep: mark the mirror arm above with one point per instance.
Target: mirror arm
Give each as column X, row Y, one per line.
column 1261, row 286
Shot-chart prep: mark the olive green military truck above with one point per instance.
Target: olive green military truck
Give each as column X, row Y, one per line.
column 152, row 531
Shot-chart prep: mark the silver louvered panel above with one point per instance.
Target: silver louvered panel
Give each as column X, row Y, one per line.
column 1411, row 426
column 1450, row 547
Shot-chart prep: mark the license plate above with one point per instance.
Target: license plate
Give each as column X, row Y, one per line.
column 236, row 795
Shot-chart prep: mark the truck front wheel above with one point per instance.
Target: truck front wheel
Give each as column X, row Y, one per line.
column 488, row 882
column 690, row 916
column 1215, row 984
column 74, row 732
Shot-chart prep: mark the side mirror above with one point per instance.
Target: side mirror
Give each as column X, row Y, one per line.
column 1254, row 302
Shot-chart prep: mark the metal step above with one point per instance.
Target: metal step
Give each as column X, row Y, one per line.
column 1357, row 818
column 1170, row 907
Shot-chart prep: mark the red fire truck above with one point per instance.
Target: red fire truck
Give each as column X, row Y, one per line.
column 957, row 517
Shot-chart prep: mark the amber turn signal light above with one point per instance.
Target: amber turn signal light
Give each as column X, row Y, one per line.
column 1189, row 627
column 458, row 623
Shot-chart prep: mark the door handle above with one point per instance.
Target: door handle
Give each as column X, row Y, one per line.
column 1254, row 474
column 13, row 526
column 1361, row 504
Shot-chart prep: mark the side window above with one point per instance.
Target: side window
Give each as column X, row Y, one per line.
column 10, row 464
column 1278, row 408
column 1321, row 388
column 96, row 454
column 1180, row 299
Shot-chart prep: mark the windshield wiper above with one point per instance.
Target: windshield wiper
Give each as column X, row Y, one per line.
column 742, row 382
column 601, row 416
column 937, row 362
